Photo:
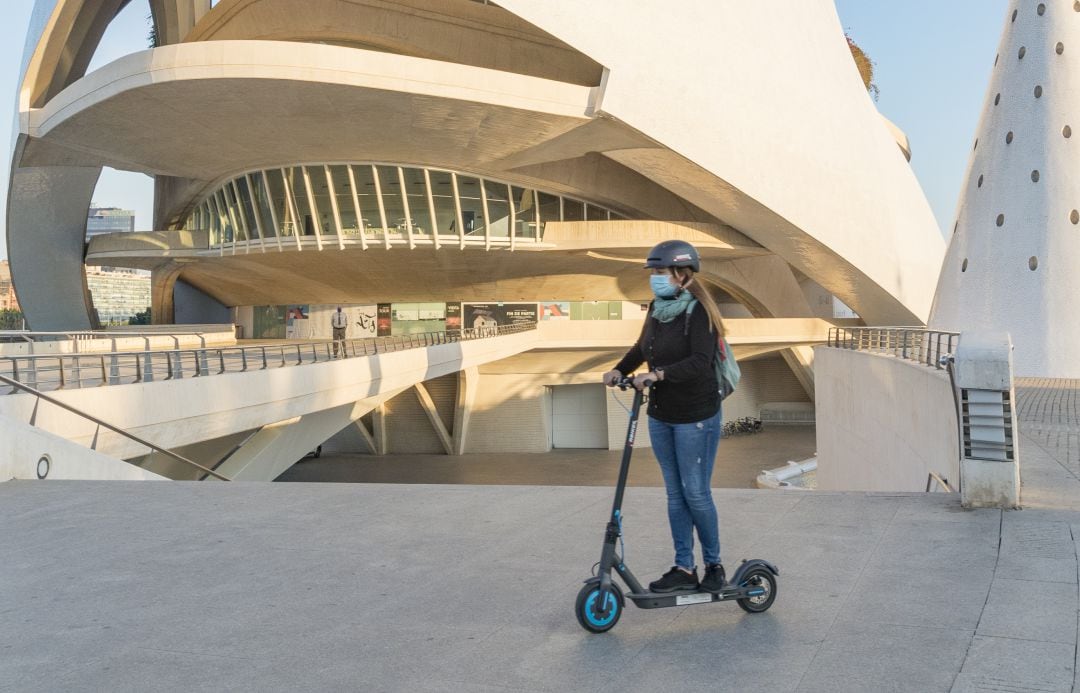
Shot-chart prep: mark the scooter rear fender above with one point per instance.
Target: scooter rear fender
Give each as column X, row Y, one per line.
column 749, row 565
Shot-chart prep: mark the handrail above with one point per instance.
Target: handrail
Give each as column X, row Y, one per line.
column 916, row 344
column 99, row 422
column 944, row 483
column 61, row 371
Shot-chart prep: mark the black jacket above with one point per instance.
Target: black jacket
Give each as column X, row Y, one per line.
column 689, row 391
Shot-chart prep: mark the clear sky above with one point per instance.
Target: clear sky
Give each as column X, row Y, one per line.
column 932, row 57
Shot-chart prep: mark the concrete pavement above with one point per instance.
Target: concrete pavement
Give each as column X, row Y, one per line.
column 254, row 586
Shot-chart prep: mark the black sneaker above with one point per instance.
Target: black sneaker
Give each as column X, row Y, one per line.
column 714, row 579
column 675, row 580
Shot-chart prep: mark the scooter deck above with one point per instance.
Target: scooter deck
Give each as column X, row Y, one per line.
column 656, row 600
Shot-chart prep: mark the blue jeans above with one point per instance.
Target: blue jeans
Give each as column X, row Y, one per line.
column 686, row 453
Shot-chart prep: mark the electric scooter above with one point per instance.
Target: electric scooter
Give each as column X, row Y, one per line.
column 600, row 602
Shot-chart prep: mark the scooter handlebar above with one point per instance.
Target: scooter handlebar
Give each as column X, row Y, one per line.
column 627, row 382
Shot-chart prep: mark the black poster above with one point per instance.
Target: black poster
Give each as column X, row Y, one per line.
column 453, row 318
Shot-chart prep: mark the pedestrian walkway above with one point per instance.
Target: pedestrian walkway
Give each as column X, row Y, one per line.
column 738, row 463
column 412, row 587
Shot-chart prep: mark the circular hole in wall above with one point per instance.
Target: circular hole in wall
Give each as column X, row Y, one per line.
column 1035, row 176
column 963, row 265
column 976, row 144
column 1038, row 91
column 44, row 463
column 1014, row 15
column 1009, row 137
column 1059, row 48
column 1033, row 263
column 1066, row 132
column 980, row 181
column 1074, row 217
column 997, row 99
column 1041, row 9
column 1022, row 52
column 1001, row 220
column 956, row 226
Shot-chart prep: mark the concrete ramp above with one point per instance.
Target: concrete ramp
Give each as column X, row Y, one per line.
column 280, row 412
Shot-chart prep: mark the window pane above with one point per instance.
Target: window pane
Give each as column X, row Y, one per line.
column 229, row 232
column 262, row 205
column 549, row 209
column 286, row 223
column 498, row 204
column 594, row 213
column 305, row 222
column 573, row 210
column 391, row 196
column 524, row 212
column 247, row 207
column 320, row 189
column 416, row 191
column 369, row 201
column 472, row 208
column 343, row 194
column 442, row 191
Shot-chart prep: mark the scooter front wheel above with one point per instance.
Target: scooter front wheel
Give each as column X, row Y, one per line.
column 598, row 609
column 762, row 587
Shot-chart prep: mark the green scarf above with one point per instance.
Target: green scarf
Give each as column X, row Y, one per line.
column 667, row 309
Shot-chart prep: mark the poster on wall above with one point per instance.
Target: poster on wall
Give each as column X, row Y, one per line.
column 363, row 321
column 556, row 310
column 478, row 315
column 453, row 318
column 517, row 313
column 296, row 322
column 269, row 322
column 384, row 318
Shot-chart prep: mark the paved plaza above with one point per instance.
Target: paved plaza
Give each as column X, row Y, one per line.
column 411, row 587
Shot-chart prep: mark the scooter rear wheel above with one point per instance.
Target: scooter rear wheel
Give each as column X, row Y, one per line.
column 758, row 578
column 598, row 609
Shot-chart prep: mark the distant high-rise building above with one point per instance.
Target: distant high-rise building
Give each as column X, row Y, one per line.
column 118, row 294
column 109, row 220
column 8, row 300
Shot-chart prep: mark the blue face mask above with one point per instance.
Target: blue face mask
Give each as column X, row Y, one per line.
column 662, row 286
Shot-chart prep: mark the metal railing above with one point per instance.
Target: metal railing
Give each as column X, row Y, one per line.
column 16, row 385
column 69, row 371
column 910, row 343
column 931, row 478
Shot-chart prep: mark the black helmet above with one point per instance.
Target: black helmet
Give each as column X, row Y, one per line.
column 673, row 254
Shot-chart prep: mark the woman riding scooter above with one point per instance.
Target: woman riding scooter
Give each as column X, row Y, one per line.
column 684, row 407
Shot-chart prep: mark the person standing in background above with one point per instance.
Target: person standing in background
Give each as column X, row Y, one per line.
column 340, row 324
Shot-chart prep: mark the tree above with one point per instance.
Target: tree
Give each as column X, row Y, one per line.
column 865, row 65
column 140, row 318
column 11, row 320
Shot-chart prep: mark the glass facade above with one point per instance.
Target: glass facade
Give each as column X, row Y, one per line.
column 344, row 204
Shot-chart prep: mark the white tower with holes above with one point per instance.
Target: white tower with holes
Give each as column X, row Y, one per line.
column 1014, row 258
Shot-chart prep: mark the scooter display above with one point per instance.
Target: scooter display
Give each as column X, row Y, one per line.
column 601, row 601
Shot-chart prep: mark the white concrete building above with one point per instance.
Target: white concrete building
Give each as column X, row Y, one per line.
column 452, row 151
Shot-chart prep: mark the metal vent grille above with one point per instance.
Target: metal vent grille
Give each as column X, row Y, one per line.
column 987, row 424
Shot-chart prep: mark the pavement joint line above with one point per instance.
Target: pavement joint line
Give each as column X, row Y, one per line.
column 847, row 597
column 989, row 589
column 1076, row 633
